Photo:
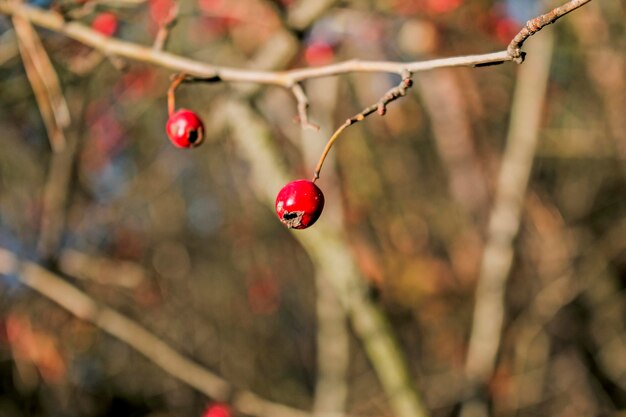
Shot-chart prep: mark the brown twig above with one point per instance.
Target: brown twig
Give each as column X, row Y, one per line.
column 535, row 25
column 44, row 81
column 303, row 105
column 112, row 46
column 171, row 93
column 288, row 79
column 380, row 107
column 165, row 28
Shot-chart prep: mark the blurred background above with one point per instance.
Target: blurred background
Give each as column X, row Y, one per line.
column 186, row 244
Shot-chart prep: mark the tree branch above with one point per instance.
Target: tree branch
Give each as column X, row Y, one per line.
column 139, row 338
column 54, row 21
column 535, row 25
column 303, row 105
column 112, row 46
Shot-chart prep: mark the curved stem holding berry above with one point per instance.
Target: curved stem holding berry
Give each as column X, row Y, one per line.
column 380, row 107
column 171, row 93
column 329, row 145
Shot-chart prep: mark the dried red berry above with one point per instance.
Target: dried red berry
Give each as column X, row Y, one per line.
column 299, row 204
column 185, row 129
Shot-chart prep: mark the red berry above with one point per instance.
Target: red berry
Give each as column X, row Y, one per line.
column 217, row 410
column 443, row 6
column 160, row 10
column 299, row 204
column 105, row 23
column 185, row 129
column 319, row 53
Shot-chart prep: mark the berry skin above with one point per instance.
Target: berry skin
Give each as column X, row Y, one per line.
column 185, row 129
column 299, row 204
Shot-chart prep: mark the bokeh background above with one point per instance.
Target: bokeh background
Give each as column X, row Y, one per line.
column 181, row 242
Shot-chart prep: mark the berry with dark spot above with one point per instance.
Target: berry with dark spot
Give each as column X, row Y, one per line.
column 185, row 129
column 299, row 204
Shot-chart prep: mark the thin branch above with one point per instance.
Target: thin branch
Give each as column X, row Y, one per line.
column 56, row 194
column 380, row 107
column 44, row 81
column 303, row 105
column 139, row 338
column 112, row 46
column 101, row 270
column 535, row 25
column 165, row 28
column 171, row 93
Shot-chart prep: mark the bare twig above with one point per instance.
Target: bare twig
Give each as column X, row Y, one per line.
column 111, row 46
column 165, row 28
column 101, row 270
column 288, row 79
column 505, row 219
column 303, row 105
column 55, row 197
column 535, row 25
column 44, row 81
column 139, row 338
column 380, row 107
column 171, row 93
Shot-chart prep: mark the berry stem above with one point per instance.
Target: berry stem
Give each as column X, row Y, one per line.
column 380, row 107
column 171, row 99
column 329, row 145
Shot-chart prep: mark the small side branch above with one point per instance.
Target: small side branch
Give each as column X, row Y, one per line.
column 535, row 25
column 165, row 28
column 380, row 107
column 303, row 105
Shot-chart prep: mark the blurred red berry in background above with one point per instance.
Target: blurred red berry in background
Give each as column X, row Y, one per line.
column 443, row 6
column 505, row 29
column 106, row 23
column 217, row 410
column 160, row 10
column 318, row 53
